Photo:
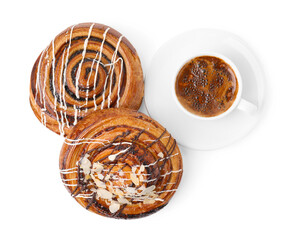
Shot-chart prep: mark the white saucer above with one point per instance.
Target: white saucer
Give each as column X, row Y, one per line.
column 195, row 133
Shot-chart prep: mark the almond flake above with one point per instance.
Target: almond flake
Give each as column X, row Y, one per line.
column 148, row 201
column 142, row 187
column 114, row 207
column 100, row 176
column 122, row 180
column 103, row 193
column 134, row 179
column 86, row 165
column 111, row 189
column 123, row 200
column 99, row 183
column 142, row 168
column 107, row 177
column 131, row 190
column 98, row 167
column 148, row 190
column 134, row 169
column 119, row 192
column 153, row 195
column 160, row 155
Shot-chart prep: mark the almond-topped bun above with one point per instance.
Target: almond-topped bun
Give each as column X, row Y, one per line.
column 86, row 67
column 120, row 163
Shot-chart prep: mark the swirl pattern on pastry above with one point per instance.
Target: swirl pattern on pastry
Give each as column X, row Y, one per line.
column 86, row 67
column 120, row 163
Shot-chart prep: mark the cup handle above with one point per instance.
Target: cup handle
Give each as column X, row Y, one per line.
column 247, row 106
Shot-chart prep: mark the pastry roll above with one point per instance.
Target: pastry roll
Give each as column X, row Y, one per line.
column 120, row 163
column 86, row 67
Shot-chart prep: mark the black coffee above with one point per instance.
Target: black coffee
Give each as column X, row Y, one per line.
column 206, row 86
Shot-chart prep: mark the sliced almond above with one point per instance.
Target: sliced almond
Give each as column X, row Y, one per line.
column 148, row 190
column 160, row 155
column 148, row 201
column 86, row 165
column 107, row 177
column 122, row 180
column 99, row 183
column 142, row 187
column 111, row 189
column 119, row 192
column 114, row 207
column 100, row 176
column 142, row 168
column 123, row 200
column 130, row 190
column 98, row 167
column 103, row 193
column 134, row 179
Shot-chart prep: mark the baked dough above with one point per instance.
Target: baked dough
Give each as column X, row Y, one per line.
column 120, row 163
column 86, row 67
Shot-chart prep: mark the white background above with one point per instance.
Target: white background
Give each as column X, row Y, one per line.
column 238, row 192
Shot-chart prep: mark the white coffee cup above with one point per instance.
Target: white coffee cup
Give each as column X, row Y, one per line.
column 238, row 103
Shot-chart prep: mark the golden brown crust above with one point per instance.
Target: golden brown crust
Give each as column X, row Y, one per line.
column 86, row 67
column 125, row 150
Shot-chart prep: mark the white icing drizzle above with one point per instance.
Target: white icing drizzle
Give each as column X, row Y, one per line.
column 170, row 172
column 60, row 98
column 68, row 169
column 83, row 57
column 69, row 172
column 72, row 179
column 112, row 157
column 70, row 185
column 170, row 190
column 97, row 67
column 85, row 140
column 121, row 143
column 75, row 116
column 84, row 195
column 110, row 75
column 65, row 74
column 61, row 130
column 43, row 110
column 112, row 71
column 158, row 160
column 119, row 84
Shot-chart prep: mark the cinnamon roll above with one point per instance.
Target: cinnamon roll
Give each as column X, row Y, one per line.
column 86, row 67
column 120, row 163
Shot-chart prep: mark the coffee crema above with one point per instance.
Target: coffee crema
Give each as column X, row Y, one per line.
column 206, row 86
